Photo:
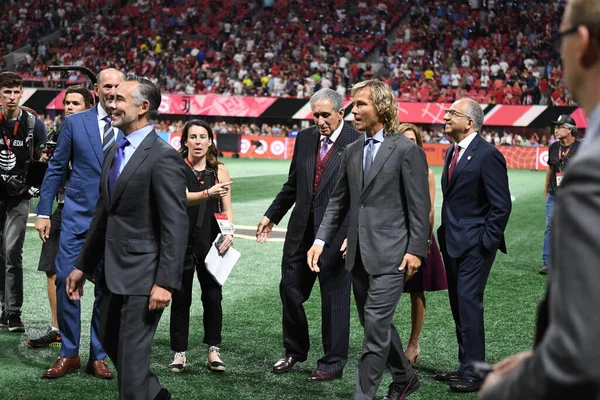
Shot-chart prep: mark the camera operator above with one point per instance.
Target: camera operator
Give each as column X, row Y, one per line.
column 77, row 98
column 22, row 134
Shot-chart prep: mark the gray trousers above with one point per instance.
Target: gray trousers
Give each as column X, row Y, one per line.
column 376, row 298
column 13, row 224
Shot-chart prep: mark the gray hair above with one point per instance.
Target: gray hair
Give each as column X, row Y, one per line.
column 145, row 91
column 328, row 94
column 474, row 111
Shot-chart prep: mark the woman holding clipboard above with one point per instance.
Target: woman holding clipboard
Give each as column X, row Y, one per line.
column 208, row 198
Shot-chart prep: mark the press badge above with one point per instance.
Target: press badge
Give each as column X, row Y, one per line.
column 559, row 177
column 224, row 225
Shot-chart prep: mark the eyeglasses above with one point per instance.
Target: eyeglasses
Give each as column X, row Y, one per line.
column 454, row 113
column 557, row 38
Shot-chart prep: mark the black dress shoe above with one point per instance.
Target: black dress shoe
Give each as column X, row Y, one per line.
column 285, row 364
column 466, row 385
column 399, row 391
column 449, row 377
column 323, row 376
column 163, row 394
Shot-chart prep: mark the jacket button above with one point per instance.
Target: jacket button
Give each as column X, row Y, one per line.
column 362, row 206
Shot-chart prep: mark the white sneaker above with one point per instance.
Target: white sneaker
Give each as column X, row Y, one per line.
column 217, row 365
column 178, row 363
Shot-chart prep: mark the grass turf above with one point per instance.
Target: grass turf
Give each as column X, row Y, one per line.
column 252, row 314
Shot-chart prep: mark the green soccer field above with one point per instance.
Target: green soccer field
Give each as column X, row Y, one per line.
column 252, row 314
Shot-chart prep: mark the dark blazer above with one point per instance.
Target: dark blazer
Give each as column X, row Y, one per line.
column 469, row 221
column 389, row 216
column 564, row 364
column 142, row 229
column 298, row 189
column 79, row 143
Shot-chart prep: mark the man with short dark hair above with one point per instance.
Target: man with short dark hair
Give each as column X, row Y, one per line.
column 140, row 228
column 21, row 136
column 559, row 154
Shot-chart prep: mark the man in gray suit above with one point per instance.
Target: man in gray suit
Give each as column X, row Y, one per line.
column 140, row 228
column 383, row 189
column 565, row 363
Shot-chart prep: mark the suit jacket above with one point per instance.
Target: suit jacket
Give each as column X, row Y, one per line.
column 565, row 364
column 141, row 229
column 79, row 143
column 389, row 216
column 298, row 189
column 477, row 201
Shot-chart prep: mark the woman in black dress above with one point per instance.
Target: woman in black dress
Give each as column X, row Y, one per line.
column 208, row 193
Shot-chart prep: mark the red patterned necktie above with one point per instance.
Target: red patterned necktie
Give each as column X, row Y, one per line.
column 454, row 161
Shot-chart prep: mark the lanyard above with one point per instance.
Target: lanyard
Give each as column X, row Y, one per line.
column 562, row 154
column 6, row 140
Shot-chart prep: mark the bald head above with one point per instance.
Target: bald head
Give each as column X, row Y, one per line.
column 108, row 80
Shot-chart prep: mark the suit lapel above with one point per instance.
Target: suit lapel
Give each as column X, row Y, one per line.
column 446, row 166
column 132, row 165
column 465, row 159
column 93, row 133
column 385, row 150
column 110, row 156
column 312, row 145
column 335, row 158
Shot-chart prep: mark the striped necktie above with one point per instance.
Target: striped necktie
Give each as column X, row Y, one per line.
column 108, row 137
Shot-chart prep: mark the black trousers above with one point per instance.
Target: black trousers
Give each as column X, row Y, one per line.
column 467, row 277
column 212, row 316
column 297, row 281
column 127, row 329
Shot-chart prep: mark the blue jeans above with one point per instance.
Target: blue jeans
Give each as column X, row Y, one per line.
column 549, row 212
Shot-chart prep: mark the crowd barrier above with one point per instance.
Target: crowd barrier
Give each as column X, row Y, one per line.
column 532, row 158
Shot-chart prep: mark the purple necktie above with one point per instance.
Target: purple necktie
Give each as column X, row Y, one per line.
column 324, row 148
column 115, row 168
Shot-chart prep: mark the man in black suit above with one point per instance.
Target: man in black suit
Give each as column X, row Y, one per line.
column 140, row 228
column 312, row 177
column 564, row 363
column 383, row 189
column 475, row 212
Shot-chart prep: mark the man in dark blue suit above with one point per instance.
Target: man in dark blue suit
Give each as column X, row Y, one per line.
column 83, row 141
column 475, row 212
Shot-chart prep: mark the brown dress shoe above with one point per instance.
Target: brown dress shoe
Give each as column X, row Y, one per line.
column 285, row 364
column 99, row 369
column 323, row 376
column 62, row 366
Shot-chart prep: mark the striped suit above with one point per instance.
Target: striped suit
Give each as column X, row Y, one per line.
column 297, row 280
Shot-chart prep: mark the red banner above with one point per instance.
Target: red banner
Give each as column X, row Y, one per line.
column 201, row 105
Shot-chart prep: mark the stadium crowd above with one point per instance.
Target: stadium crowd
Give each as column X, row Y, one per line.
column 294, row 48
